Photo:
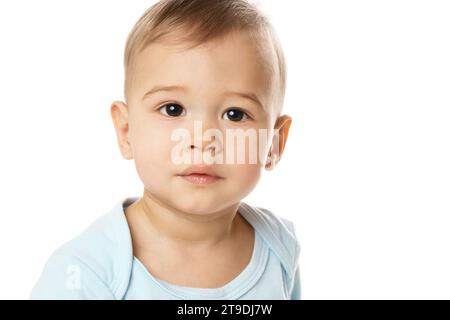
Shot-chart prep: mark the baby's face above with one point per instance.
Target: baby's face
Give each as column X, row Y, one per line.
column 152, row 122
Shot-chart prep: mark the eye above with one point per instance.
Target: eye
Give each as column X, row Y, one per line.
column 171, row 110
column 235, row 115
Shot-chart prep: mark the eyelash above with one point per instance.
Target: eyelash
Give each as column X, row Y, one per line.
column 246, row 115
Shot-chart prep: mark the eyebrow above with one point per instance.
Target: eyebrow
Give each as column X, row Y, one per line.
column 245, row 95
column 158, row 88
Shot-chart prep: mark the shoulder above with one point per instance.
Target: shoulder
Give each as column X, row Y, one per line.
column 279, row 233
column 94, row 264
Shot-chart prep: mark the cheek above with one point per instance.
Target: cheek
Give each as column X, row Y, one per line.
column 245, row 177
column 251, row 149
column 151, row 150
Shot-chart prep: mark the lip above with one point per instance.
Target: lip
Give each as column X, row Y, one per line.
column 200, row 169
column 200, row 174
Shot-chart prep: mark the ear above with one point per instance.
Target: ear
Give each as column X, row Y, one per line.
column 119, row 115
column 281, row 127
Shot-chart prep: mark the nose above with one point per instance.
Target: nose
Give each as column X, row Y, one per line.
column 206, row 137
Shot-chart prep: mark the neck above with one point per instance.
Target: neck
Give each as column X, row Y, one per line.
column 185, row 228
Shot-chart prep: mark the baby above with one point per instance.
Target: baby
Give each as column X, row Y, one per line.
column 199, row 75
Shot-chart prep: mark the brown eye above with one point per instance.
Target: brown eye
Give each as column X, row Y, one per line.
column 171, row 110
column 235, row 115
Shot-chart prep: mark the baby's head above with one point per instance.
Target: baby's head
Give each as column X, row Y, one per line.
column 211, row 73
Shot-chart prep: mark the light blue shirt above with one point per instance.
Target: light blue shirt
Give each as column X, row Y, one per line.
column 99, row 264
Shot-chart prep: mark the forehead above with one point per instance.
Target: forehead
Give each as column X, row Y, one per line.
column 232, row 63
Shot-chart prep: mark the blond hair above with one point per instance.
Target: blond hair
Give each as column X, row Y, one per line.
column 198, row 21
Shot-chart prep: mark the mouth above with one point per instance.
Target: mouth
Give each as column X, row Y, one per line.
column 200, row 174
column 198, row 178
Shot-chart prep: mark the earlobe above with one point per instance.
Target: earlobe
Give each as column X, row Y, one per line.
column 282, row 126
column 119, row 115
column 272, row 160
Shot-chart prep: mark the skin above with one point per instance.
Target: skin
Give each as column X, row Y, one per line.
column 188, row 234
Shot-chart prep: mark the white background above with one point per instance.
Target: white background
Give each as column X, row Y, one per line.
column 365, row 174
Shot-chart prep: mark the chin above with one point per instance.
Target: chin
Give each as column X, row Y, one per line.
column 198, row 209
column 199, row 206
